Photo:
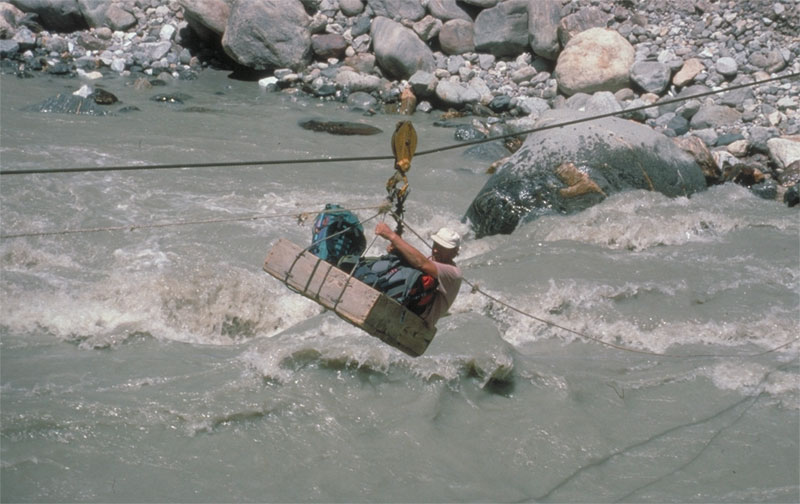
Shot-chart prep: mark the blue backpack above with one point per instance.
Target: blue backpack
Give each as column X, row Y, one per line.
column 337, row 233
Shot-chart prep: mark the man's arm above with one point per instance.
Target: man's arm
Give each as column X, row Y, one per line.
column 415, row 258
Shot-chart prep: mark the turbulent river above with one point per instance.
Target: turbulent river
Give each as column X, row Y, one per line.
column 150, row 359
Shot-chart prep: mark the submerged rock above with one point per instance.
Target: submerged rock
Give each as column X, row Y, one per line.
column 568, row 169
column 68, row 104
column 339, row 127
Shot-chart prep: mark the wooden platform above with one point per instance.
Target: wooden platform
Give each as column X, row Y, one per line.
column 351, row 299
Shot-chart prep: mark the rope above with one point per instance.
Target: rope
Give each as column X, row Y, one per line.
column 300, row 216
column 381, row 158
column 477, row 289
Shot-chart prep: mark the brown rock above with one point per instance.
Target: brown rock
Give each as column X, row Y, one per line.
column 688, row 72
column 697, row 148
column 578, row 182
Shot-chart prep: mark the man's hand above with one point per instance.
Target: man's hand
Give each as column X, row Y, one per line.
column 384, row 231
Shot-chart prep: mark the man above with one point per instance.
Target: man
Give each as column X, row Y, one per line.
column 440, row 265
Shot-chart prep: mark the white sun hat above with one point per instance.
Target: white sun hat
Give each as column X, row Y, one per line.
column 447, row 238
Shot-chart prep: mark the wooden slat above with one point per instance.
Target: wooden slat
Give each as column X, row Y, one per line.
column 351, row 299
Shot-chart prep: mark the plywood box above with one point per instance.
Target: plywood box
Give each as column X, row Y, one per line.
column 351, row 299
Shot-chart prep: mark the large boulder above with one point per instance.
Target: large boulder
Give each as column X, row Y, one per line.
column 457, row 37
column 207, row 17
column 265, row 34
column 398, row 50
column 598, row 59
column 9, row 19
column 503, row 30
column 55, row 15
column 543, row 19
column 567, row 169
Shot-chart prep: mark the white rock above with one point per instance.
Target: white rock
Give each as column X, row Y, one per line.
column 167, row 31
column 84, row 91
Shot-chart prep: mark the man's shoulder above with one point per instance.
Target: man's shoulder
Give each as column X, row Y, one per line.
column 449, row 270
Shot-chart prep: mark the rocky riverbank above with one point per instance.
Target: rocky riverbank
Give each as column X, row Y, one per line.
column 503, row 62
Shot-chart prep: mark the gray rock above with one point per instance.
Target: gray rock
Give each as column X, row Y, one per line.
column 9, row 20
column 8, row 48
column 398, row 50
column 650, row 76
column 456, row 95
column 607, row 156
column 503, row 30
column 543, row 19
column 447, row 10
column 118, row 18
column 351, row 8
column 263, row 34
column 602, row 102
column 361, row 101
column 68, row 104
column 457, row 37
column 55, row 15
column 156, row 50
column 714, row 116
column 579, row 22
column 423, row 84
column 784, row 151
column 398, row 9
column 483, row 4
column 94, row 11
column 533, row 106
column 727, row 67
column 208, row 18
column 328, row 45
column 354, row 81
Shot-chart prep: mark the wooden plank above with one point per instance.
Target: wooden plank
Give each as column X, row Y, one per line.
column 351, row 299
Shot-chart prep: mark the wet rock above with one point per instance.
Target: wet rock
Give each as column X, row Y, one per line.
column 361, row 101
column 171, row 98
column 606, row 155
column 792, row 195
column 339, row 127
column 595, row 60
column 103, row 97
column 68, row 104
column 702, row 156
column 468, row 133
